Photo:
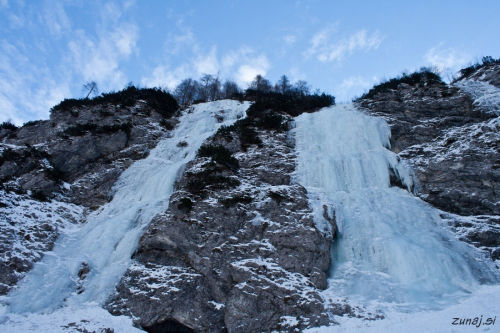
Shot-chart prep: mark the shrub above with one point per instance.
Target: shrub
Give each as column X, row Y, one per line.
column 244, row 129
column 185, row 205
column 39, row 196
column 105, row 113
column 157, row 99
column 167, row 125
column 31, row 123
column 55, row 174
column 8, row 126
column 10, row 155
column 485, row 62
column 273, row 121
column 200, row 181
column 291, row 102
column 278, row 197
column 82, row 129
column 425, row 75
column 219, row 154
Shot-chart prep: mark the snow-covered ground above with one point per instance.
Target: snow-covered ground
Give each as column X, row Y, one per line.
column 86, row 318
column 483, row 304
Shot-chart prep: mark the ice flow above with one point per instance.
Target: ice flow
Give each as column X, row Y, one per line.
column 391, row 246
column 107, row 241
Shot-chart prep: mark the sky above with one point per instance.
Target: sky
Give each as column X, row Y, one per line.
column 49, row 49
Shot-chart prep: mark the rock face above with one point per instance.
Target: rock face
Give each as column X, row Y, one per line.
column 87, row 147
column 237, row 250
column 53, row 172
column 449, row 134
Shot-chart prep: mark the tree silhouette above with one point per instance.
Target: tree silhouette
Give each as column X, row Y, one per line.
column 91, row 87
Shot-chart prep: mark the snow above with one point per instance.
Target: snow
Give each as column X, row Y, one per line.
column 392, row 247
column 29, row 227
column 484, row 302
column 485, row 95
column 88, row 318
column 107, row 241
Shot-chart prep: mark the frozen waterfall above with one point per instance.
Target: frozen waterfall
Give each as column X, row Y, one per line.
column 391, row 246
column 107, row 241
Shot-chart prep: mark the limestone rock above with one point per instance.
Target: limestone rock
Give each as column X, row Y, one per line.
column 69, row 162
column 240, row 254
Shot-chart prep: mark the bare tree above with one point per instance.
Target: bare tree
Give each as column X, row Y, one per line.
column 215, row 88
column 229, row 88
column 205, row 80
column 91, row 87
column 187, row 91
column 283, row 84
column 261, row 84
column 302, row 87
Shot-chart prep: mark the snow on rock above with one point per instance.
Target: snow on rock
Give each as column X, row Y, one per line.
column 248, row 235
column 84, row 266
column 29, row 229
column 486, row 96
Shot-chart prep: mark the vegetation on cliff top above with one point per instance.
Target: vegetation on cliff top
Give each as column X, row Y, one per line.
column 159, row 100
column 485, row 62
column 423, row 76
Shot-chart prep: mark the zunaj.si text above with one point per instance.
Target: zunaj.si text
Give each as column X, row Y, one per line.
column 478, row 321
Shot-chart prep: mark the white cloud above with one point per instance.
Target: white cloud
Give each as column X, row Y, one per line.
column 252, row 67
column 296, row 74
column 444, row 59
column 327, row 50
column 242, row 65
column 99, row 60
column 290, row 39
column 355, row 81
column 207, row 63
column 352, row 86
column 163, row 77
column 185, row 38
column 29, row 88
column 55, row 19
column 19, row 101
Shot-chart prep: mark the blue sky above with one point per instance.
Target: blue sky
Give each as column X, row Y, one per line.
column 49, row 49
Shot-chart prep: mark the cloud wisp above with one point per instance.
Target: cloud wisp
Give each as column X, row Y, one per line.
column 98, row 59
column 241, row 65
column 445, row 58
column 47, row 59
column 326, row 48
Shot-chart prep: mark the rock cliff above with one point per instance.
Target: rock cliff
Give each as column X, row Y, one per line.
column 53, row 172
column 237, row 250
